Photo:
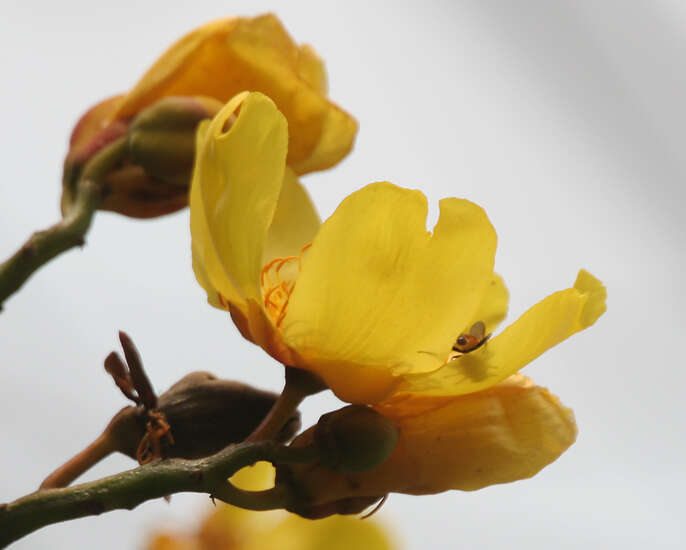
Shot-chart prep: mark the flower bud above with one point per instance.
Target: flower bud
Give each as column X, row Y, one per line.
column 212, row 63
column 161, row 139
column 153, row 175
column 350, row 441
column 354, row 439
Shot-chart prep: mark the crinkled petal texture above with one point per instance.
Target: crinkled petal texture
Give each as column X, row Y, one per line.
column 379, row 293
column 506, row 433
column 543, row 326
column 229, row 56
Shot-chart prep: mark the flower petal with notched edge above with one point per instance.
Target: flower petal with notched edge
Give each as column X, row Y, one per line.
column 376, row 288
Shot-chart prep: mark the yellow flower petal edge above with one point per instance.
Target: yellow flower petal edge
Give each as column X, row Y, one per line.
column 205, row 258
column 228, row 56
column 379, row 291
column 543, row 326
column 311, row 69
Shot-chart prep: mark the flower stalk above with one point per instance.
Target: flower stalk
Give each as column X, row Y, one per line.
column 299, row 384
column 159, row 479
column 69, row 232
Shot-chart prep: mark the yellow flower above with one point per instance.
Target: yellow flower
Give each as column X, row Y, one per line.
column 215, row 62
column 231, row 528
column 370, row 301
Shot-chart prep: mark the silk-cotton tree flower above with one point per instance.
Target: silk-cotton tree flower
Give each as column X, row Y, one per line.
column 206, row 68
column 369, row 301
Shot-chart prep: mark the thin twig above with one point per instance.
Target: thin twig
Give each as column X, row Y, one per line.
column 69, row 232
column 129, row 489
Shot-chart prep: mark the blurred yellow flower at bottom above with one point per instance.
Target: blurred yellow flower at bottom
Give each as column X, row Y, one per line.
column 231, row 528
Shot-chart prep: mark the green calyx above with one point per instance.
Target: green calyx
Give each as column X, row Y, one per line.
column 354, row 439
column 161, row 139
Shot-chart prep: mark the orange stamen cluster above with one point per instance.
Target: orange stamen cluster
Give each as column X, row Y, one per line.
column 276, row 291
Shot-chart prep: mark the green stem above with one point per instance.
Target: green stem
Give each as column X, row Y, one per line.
column 69, row 232
column 129, row 489
column 299, row 384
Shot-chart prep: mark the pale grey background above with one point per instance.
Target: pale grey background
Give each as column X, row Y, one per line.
column 564, row 119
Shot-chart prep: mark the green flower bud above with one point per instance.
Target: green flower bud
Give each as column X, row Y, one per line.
column 161, row 138
column 354, row 439
column 154, row 172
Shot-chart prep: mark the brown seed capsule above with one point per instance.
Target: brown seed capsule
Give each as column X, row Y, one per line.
column 204, row 414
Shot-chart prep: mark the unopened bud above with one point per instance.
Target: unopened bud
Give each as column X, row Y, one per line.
column 161, row 139
column 354, row 439
column 154, row 172
column 352, row 443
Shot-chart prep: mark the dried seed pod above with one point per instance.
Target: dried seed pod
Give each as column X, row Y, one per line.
column 204, row 415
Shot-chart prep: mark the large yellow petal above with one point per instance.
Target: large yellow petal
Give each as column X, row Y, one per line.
column 194, row 65
column 378, row 290
column 312, row 70
column 206, row 264
column 228, row 56
column 543, row 326
column 239, row 173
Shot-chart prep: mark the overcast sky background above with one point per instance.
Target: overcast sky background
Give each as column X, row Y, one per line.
column 565, row 120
